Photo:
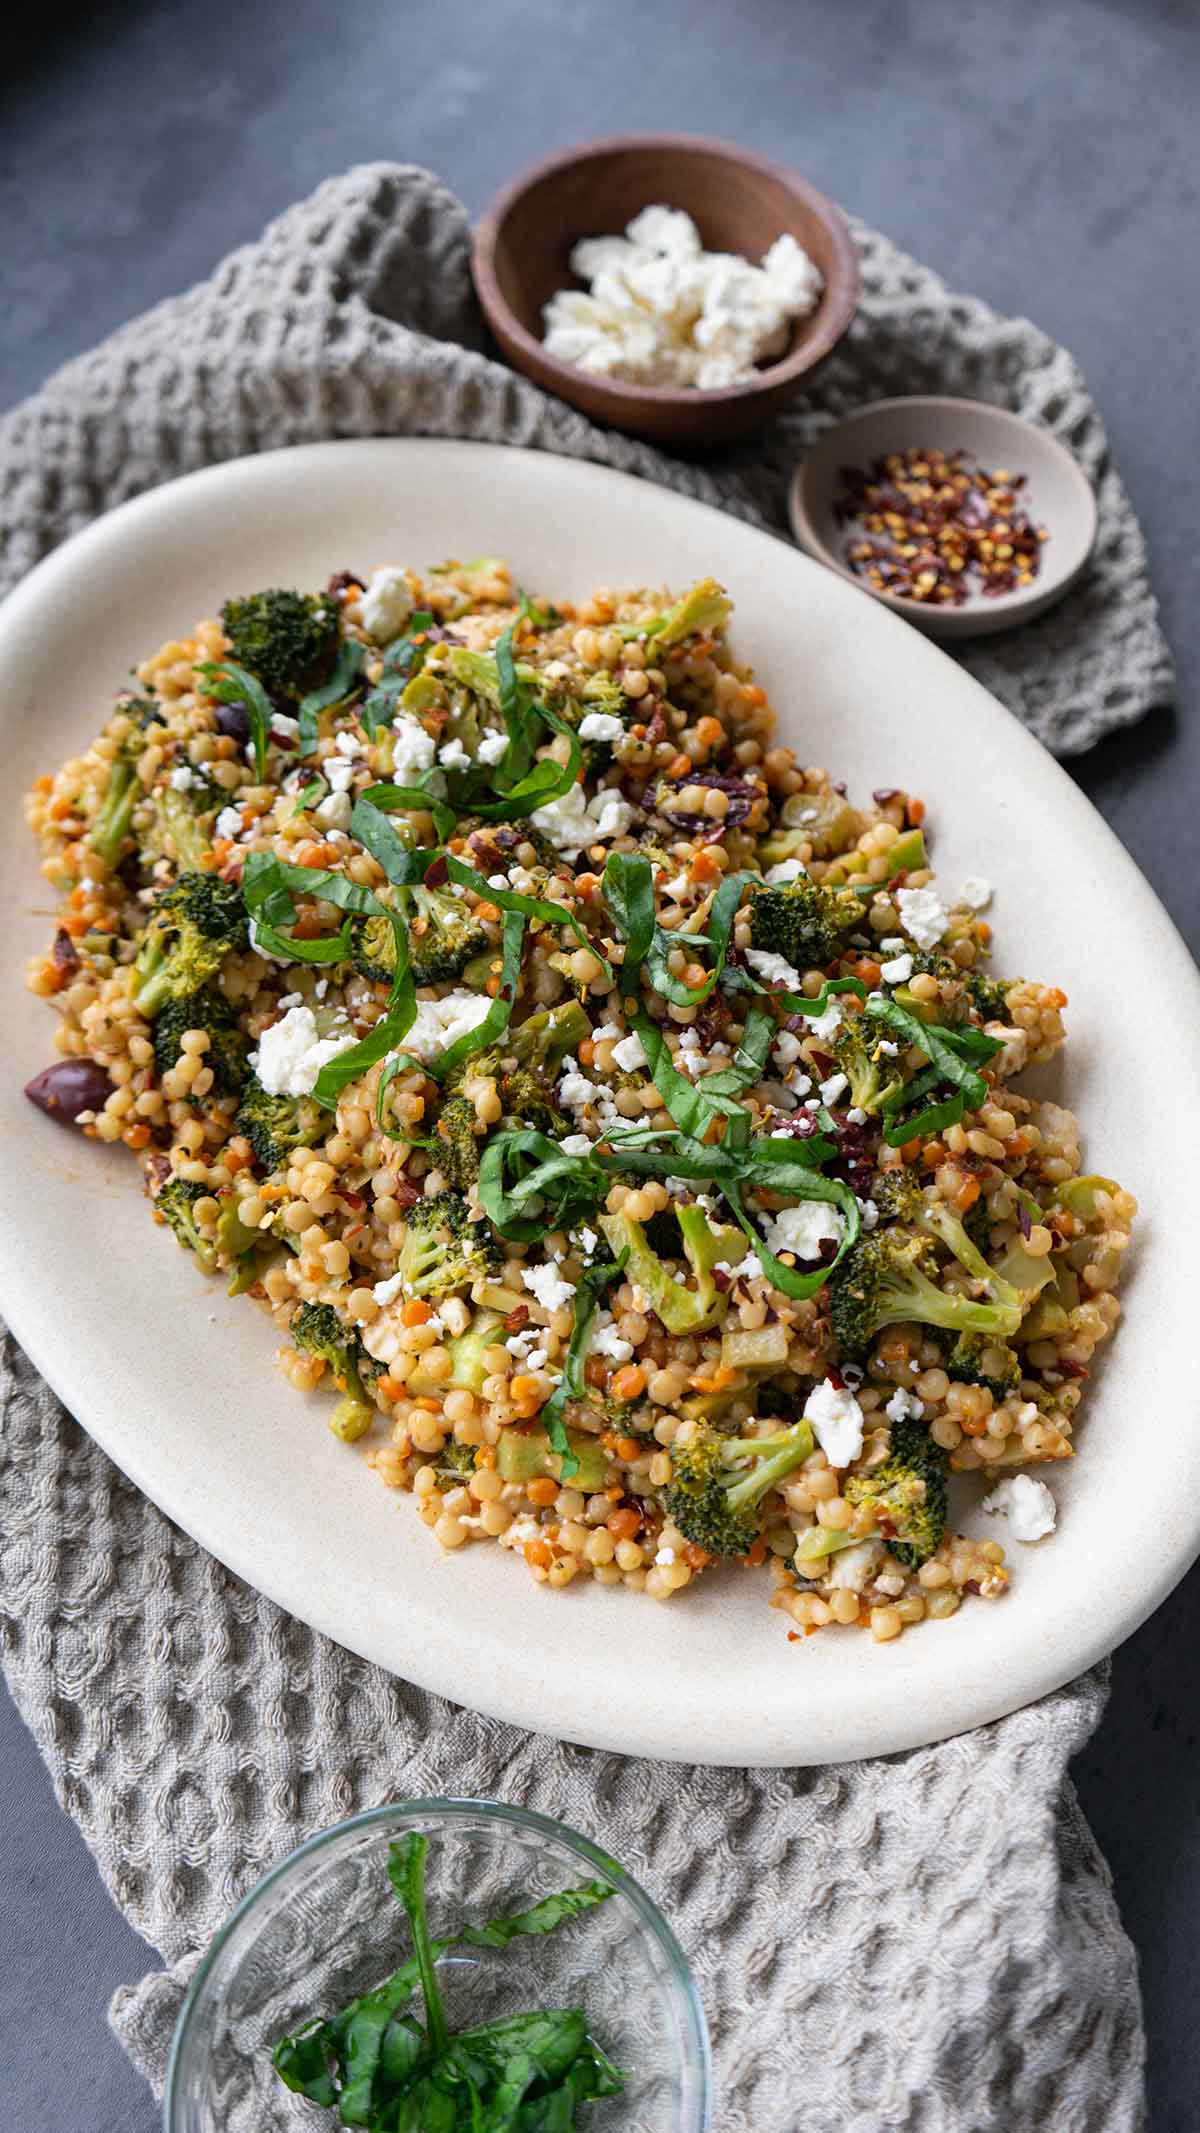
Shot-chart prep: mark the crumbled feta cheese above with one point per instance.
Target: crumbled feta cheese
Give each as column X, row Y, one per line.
column 823, row 1027
column 630, row 1053
column 774, row 968
column 338, row 771
column 886, row 1049
column 835, row 1087
column 183, row 777
column 787, row 870
column 229, row 822
column 837, row 1422
column 661, row 310
column 574, row 1088
column 605, row 1031
column 386, row 604
column 491, row 748
column 573, row 821
column 664, row 1555
column 600, row 726
column 923, row 916
column 291, row 1053
column 891, row 1584
column 679, row 887
column 1028, row 1506
column 287, row 728
column 804, row 1229
column 898, row 971
column 350, row 743
column 548, row 1286
column 453, row 755
column 975, row 893
column 575, row 1144
column 786, row 1049
column 439, row 1022
column 607, row 1341
column 893, row 945
column 386, row 1292
column 334, row 811
column 537, row 1359
column 904, row 1406
column 855, row 1116
column 851, row 1568
column 868, row 1214
column 412, row 749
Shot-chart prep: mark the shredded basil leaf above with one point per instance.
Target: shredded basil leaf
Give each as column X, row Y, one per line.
column 341, row 684
column 231, row 684
column 588, row 1291
column 402, row 660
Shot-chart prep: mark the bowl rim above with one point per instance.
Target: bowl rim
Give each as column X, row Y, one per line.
column 842, row 285
column 453, row 1809
column 1005, row 604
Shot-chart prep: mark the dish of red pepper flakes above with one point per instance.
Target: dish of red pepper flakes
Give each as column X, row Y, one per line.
column 936, row 527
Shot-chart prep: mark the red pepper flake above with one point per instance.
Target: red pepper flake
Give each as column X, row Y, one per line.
column 935, row 526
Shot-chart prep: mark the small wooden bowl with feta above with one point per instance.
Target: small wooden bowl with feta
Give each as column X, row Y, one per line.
column 675, row 287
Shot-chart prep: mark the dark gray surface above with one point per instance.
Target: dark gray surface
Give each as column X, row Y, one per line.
column 1044, row 158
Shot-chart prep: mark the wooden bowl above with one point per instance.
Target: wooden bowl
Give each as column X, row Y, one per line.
column 738, row 201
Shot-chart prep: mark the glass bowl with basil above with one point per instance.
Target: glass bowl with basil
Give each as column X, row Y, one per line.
column 442, row 1966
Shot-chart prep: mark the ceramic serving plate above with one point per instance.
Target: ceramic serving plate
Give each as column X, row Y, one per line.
column 178, row 1382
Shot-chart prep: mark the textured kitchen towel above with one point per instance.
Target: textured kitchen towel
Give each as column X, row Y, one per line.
column 353, row 316
column 924, row 1944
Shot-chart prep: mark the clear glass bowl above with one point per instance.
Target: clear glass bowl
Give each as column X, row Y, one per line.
column 323, row 1926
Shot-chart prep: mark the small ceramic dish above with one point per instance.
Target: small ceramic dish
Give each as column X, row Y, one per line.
column 521, row 255
column 323, row 1926
column 1057, row 495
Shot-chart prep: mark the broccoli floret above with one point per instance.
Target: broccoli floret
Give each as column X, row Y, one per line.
column 898, row 1198
column 111, row 825
column 857, row 1050
column 183, row 824
column 287, row 639
column 176, row 1203
column 973, row 1360
column 717, row 1483
column 804, row 922
column 457, row 1150
column 317, row 1330
column 525, row 1066
column 908, row 1490
column 207, row 1010
column 455, row 1464
column 886, row 1278
column 193, row 927
column 275, row 1125
column 444, row 934
column 373, row 946
column 443, row 1249
column 989, row 996
column 704, row 1246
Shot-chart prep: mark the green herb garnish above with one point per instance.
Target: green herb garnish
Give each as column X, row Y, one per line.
column 232, row 684
column 381, row 2068
column 588, row 1291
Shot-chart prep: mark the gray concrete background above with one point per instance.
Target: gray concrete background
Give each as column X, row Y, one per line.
column 1043, row 157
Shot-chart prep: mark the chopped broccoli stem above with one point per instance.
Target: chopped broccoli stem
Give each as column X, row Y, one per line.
column 908, row 1493
column 112, row 824
column 193, row 926
column 681, row 1309
column 176, row 1201
column 718, row 1483
column 183, row 824
column 350, row 1419
column 702, row 612
column 286, row 639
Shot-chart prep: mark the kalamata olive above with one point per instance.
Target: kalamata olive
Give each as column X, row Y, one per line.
column 233, row 720
column 70, row 1086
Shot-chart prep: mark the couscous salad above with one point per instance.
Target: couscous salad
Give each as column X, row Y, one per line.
column 618, row 1115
